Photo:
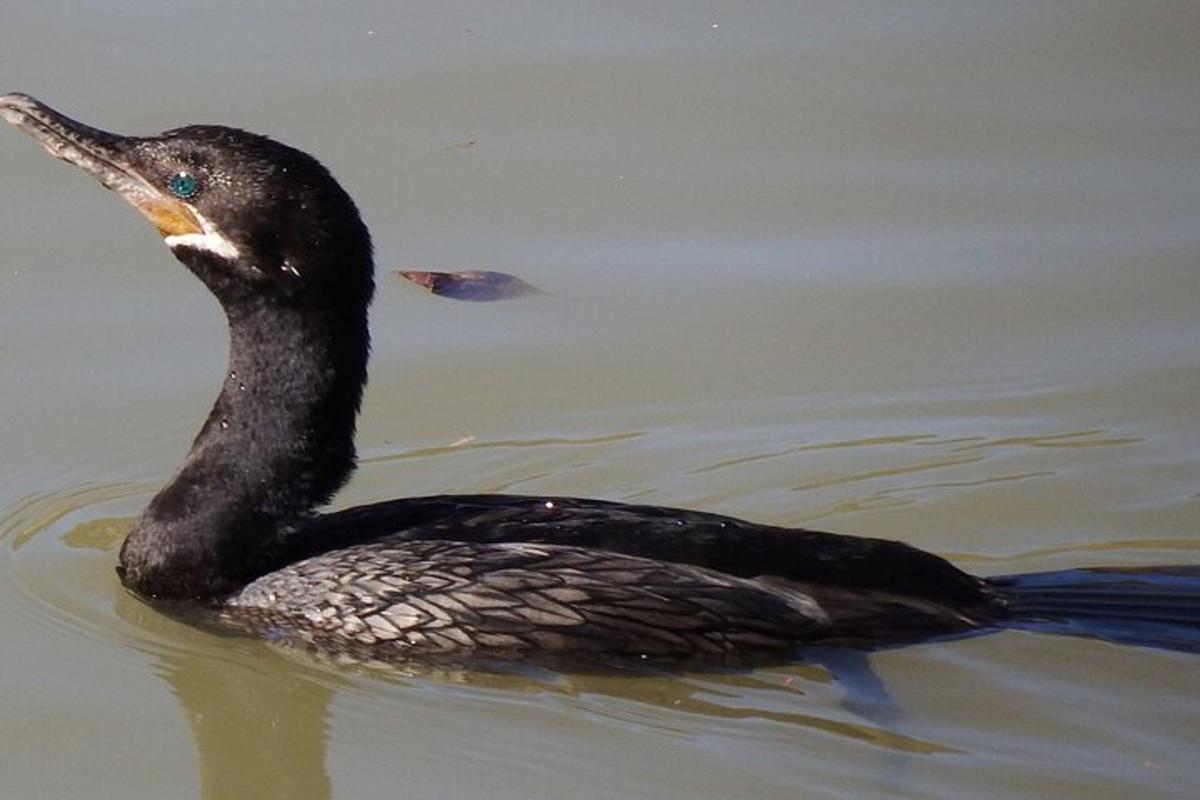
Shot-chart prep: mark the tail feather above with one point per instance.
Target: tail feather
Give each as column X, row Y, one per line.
column 1148, row 606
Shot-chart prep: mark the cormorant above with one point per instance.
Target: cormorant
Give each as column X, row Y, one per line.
column 282, row 247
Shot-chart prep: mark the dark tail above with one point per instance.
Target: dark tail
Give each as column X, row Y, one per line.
column 1148, row 606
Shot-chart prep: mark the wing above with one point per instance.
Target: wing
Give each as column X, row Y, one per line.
column 732, row 546
column 402, row 598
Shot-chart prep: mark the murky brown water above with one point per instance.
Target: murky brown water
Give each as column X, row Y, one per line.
column 926, row 271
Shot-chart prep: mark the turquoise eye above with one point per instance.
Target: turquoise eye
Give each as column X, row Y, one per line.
column 183, row 185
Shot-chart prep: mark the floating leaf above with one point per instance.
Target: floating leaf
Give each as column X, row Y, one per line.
column 475, row 285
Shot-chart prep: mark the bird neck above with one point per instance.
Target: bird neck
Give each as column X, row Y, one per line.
column 278, row 442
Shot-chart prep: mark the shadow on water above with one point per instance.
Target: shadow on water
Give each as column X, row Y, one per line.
column 260, row 717
column 252, row 725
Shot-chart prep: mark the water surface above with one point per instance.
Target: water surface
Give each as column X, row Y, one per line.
column 925, row 271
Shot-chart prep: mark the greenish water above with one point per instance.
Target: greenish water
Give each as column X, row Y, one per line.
column 925, row 271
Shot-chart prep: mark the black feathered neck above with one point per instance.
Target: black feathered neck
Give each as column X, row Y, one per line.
column 279, row 440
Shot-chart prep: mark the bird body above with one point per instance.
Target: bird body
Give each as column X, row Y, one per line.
column 282, row 248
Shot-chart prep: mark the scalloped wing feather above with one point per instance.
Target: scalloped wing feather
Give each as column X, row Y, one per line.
column 403, row 598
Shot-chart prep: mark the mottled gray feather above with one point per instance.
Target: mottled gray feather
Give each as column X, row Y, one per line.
column 404, row 598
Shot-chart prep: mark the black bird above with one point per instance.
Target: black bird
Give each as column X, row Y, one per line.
column 234, row 533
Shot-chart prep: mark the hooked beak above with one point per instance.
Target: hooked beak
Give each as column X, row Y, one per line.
column 101, row 155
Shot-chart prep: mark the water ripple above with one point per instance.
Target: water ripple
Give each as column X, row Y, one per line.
column 470, row 443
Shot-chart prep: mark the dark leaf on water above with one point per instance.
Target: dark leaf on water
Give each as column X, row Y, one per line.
column 476, row 285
